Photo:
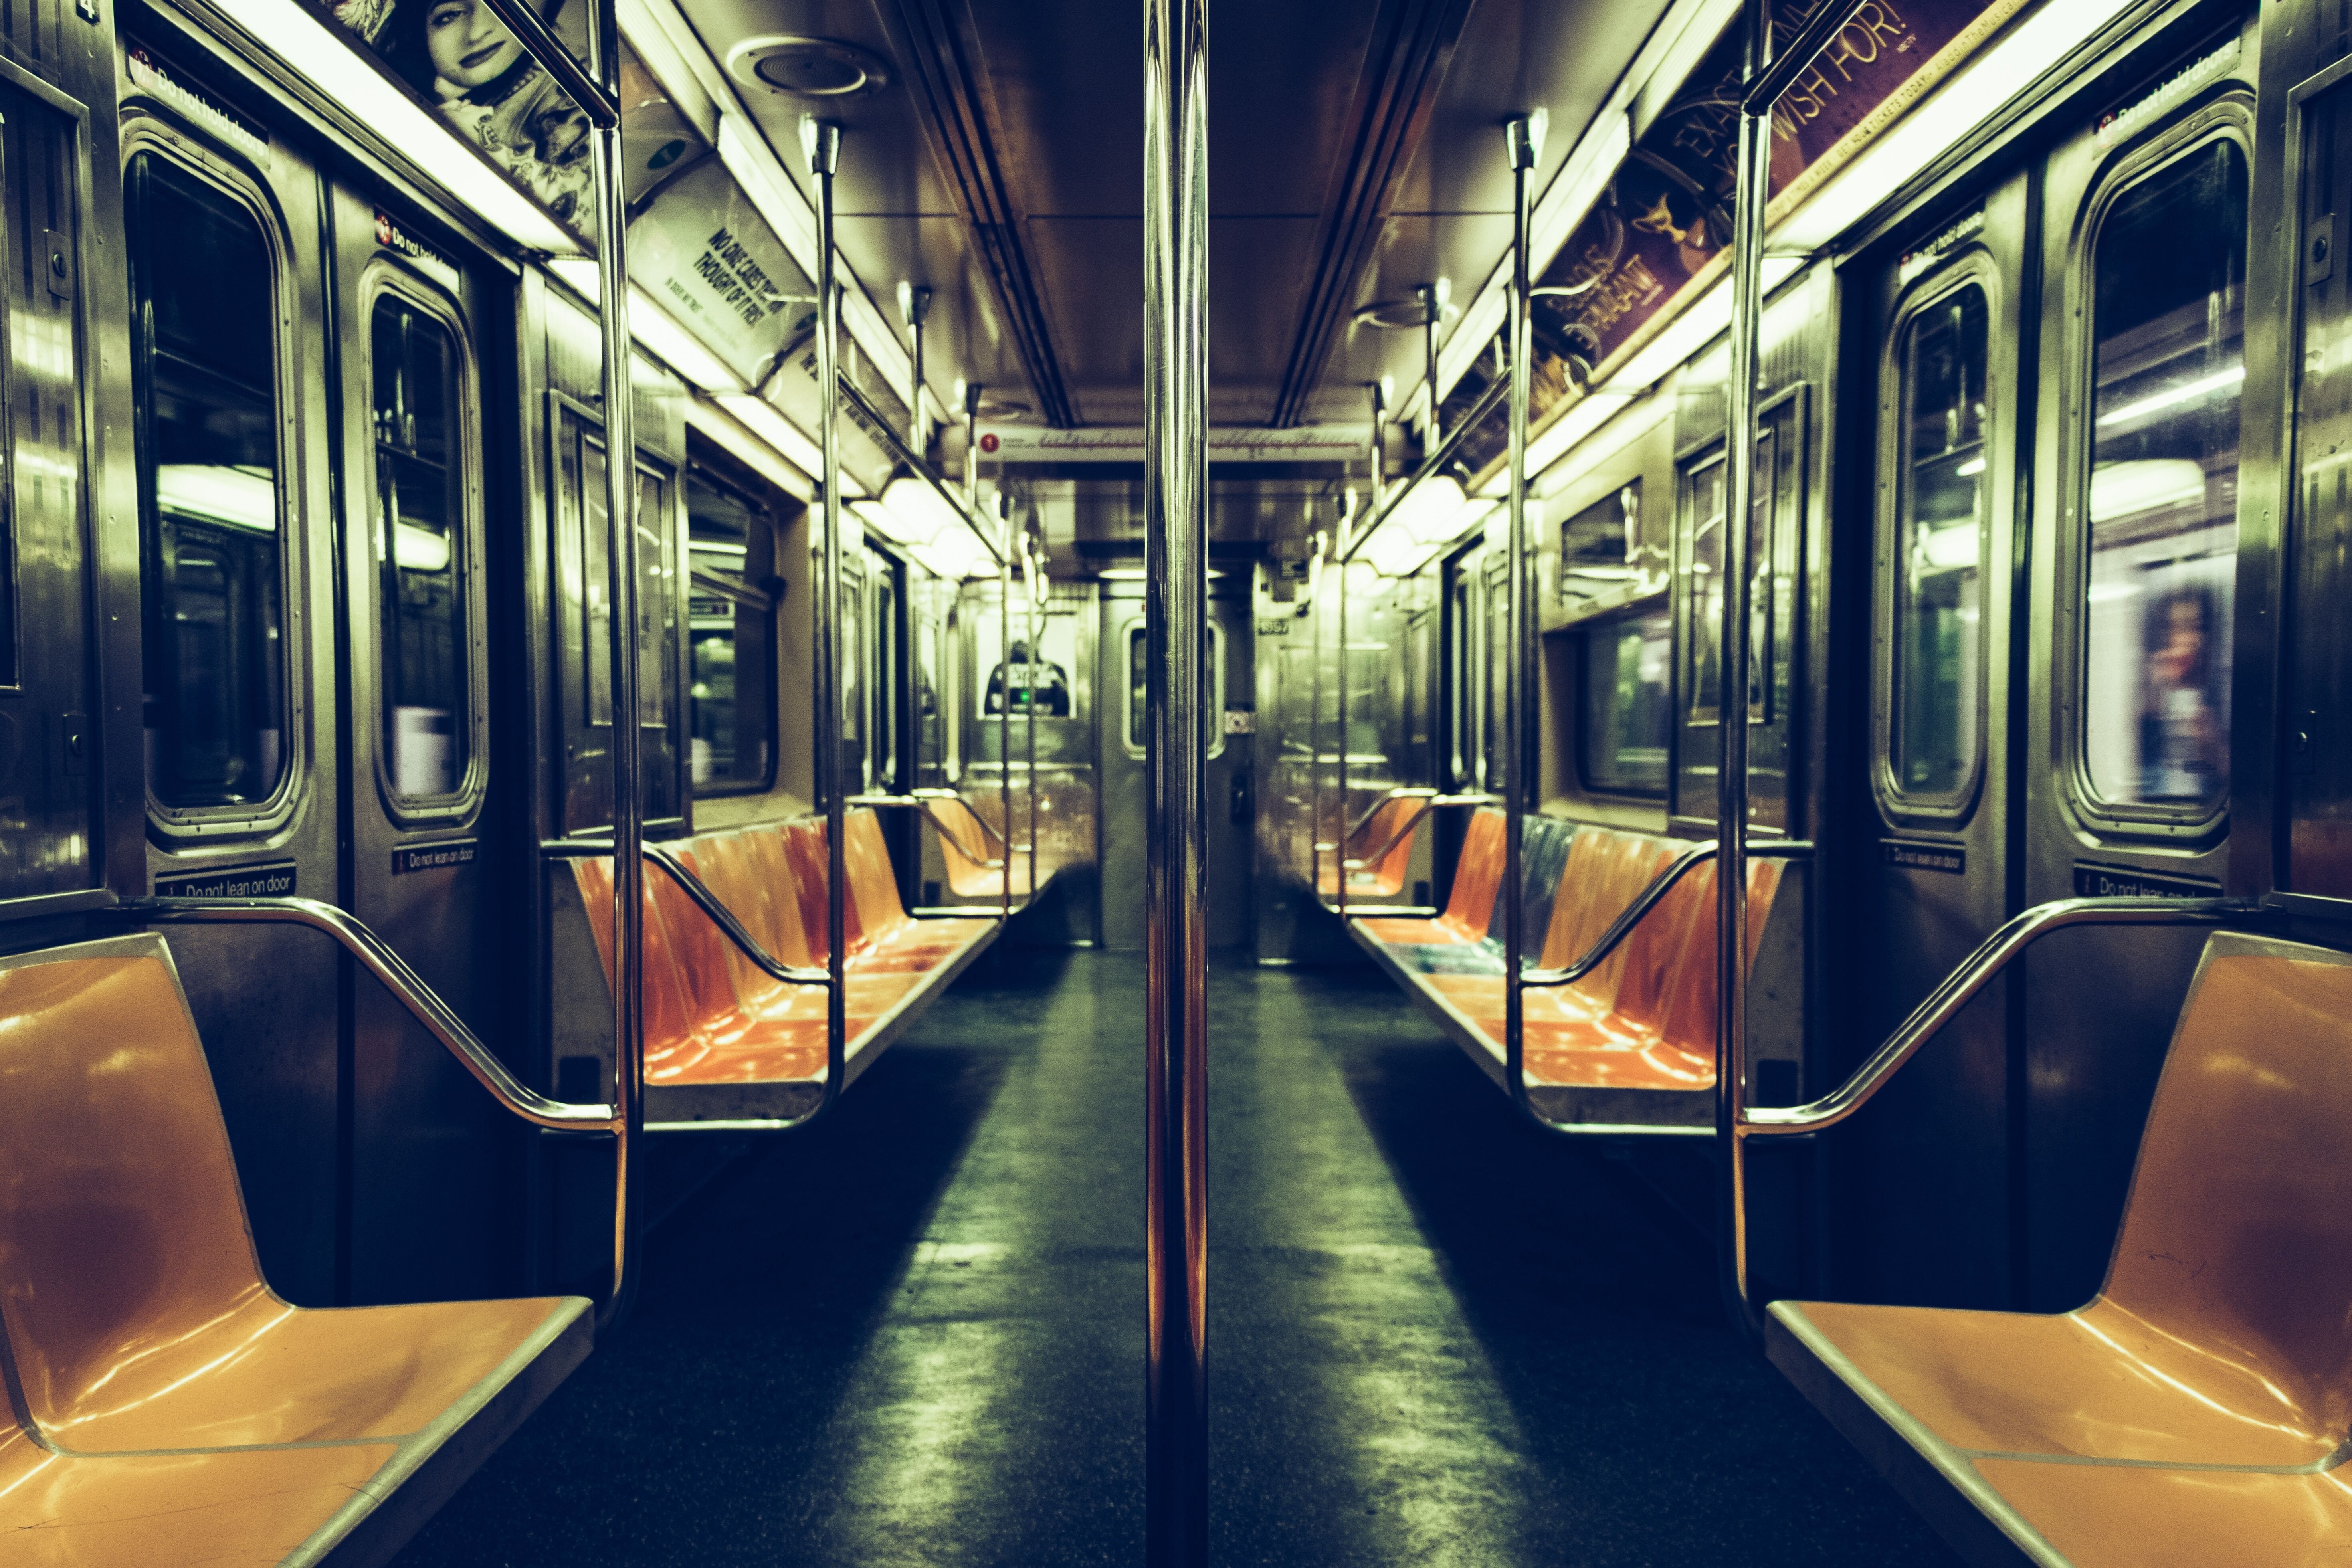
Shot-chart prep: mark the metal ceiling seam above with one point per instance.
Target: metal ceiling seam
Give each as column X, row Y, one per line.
column 1659, row 70
column 1394, row 98
column 694, row 77
column 953, row 100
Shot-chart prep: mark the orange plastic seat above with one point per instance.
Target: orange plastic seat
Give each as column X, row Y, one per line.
column 1469, row 903
column 172, row 1408
column 715, row 1019
column 968, row 877
column 2196, row 1410
column 1386, row 879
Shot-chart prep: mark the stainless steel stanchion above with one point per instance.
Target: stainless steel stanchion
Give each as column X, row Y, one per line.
column 821, row 142
column 1176, row 390
column 1524, row 138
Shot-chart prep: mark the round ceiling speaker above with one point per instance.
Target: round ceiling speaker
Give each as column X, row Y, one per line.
column 807, row 67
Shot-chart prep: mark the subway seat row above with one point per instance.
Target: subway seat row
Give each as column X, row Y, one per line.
column 1632, row 1040
column 723, row 1038
column 168, row 1407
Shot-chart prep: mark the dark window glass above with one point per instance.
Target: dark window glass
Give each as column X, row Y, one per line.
column 731, row 642
column 420, row 547
column 203, row 292
column 1138, row 678
column 1939, row 541
column 884, row 645
column 2168, row 365
column 1706, row 492
column 1622, row 734
column 1606, row 550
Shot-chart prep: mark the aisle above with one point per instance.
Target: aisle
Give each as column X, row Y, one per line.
column 913, row 1336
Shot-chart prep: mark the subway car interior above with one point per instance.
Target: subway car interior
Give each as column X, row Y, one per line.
column 1474, row 781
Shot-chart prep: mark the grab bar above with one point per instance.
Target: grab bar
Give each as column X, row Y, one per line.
column 392, row 971
column 1647, row 899
column 921, row 801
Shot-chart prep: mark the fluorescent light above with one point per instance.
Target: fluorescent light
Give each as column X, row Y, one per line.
column 1588, row 414
column 1950, row 549
column 332, row 65
column 1427, row 510
column 1969, row 470
column 654, row 329
column 1964, row 101
column 415, row 549
column 919, row 511
column 714, row 547
column 1122, row 574
column 763, row 420
column 2173, row 397
column 1699, row 324
column 2145, row 484
column 236, row 497
column 2108, row 592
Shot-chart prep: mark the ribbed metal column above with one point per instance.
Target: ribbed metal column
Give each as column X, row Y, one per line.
column 821, row 144
column 1176, row 390
column 628, row 738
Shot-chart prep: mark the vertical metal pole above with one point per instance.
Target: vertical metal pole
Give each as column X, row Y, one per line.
column 1376, row 488
column 914, row 305
column 1032, row 579
column 1524, row 139
column 1005, row 708
column 821, row 142
column 1754, row 191
column 1432, row 316
column 1347, row 809
column 1319, row 567
column 1176, row 392
column 628, row 748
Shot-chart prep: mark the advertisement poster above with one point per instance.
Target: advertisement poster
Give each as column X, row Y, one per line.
column 1662, row 225
column 460, row 60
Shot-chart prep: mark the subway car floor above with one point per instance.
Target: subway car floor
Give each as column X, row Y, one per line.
column 913, row 1335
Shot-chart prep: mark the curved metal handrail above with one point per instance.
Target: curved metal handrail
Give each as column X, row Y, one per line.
column 424, row 1004
column 986, row 827
column 724, row 918
column 922, row 804
column 1962, row 986
column 1647, row 899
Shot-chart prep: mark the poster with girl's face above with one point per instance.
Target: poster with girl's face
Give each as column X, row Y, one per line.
column 461, row 59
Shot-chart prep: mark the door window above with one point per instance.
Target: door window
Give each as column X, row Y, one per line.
column 731, row 641
column 2167, row 365
column 1625, row 721
column 420, row 550
column 203, row 286
column 1939, row 546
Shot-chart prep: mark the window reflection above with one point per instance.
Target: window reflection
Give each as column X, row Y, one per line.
column 1939, row 537
column 2168, row 360
column 419, row 545
column 730, row 645
column 202, row 283
column 1622, row 735
column 1706, row 498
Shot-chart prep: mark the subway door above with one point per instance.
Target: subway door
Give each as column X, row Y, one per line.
column 436, row 1201
column 1230, row 797
column 2136, row 534
column 1926, row 1176
column 1122, row 783
column 237, row 650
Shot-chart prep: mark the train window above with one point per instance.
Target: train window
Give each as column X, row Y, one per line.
column 204, row 283
column 731, row 716
column 884, row 680
column 1939, row 544
column 1705, row 499
column 1626, row 719
column 420, row 550
column 1464, row 677
column 1606, row 551
column 2167, row 365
